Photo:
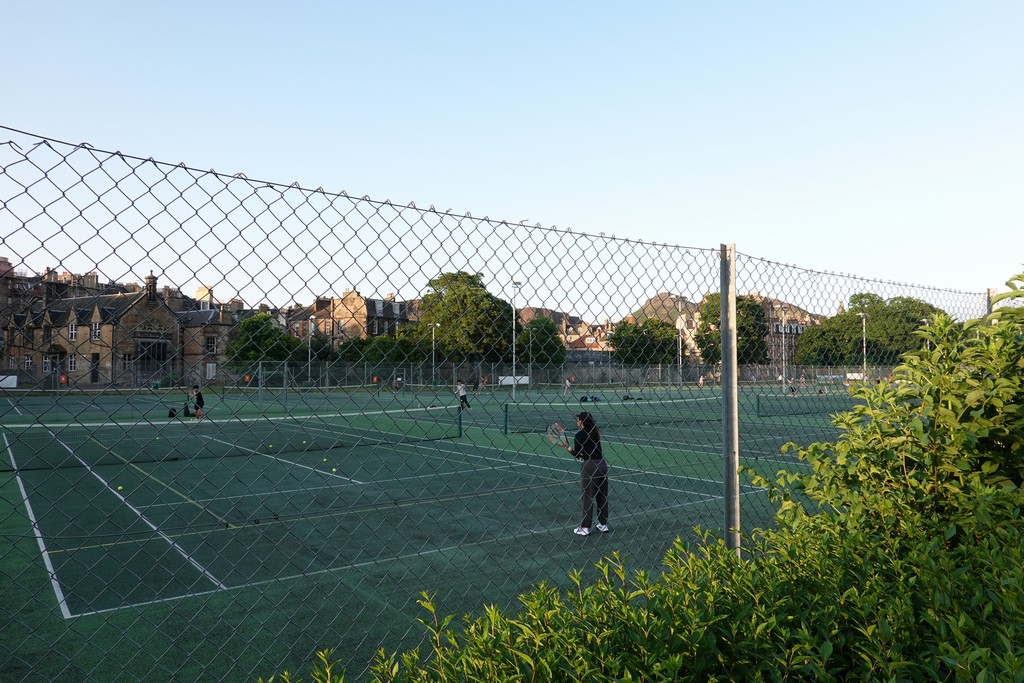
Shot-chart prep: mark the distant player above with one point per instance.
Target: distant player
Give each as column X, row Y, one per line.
column 197, row 397
column 567, row 387
column 460, row 389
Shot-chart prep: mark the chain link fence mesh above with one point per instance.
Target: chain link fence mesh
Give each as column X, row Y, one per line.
column 244, row 421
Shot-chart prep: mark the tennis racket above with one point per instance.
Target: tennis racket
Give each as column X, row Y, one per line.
column 556, row 435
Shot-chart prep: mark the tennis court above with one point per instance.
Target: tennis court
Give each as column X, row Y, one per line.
column 360, row 499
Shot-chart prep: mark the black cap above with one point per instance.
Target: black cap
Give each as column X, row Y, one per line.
column 583, row 416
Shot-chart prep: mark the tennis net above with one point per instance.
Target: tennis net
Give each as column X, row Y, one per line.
column 612, row 415
column 77, row 444
column 779, row 405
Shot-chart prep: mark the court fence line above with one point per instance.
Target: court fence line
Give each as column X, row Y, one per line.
column 326, row 333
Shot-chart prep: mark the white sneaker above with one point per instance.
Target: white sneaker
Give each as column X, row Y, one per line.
column 603, row 528
column 581, row 531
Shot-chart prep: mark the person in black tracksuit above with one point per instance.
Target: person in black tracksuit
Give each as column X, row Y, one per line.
column 594, row 473
column 197, row 396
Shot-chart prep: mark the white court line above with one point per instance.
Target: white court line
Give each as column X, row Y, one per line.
column 611, row 463
column 283, row 460
column 181, row 551
column 505, row 464
column 58, row 592
column 550, row 529
column 15, row 406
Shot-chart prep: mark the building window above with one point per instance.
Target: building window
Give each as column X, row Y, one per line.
column 211, row 371
column 211, row 343
column 11, row 363
column 73, row 332
column 47, row 333
column 46, row 364
column 96, row 330
column 126, row 361
column 72, row 363
column 28, row 362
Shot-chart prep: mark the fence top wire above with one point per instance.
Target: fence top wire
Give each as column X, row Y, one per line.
column 129, row 213
column 824, row 292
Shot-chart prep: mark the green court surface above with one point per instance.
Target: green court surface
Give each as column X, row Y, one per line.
column 270, row 508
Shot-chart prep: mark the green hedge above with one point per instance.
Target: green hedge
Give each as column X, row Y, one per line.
column 900, row 557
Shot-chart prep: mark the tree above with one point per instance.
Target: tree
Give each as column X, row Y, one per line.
column 648, row 343
column 473, row 323
column 751, row 330
column 352, row 349
column 539, row 342
column 388, row 350
column 259, row 339
column 321, row 347
column 888, row 329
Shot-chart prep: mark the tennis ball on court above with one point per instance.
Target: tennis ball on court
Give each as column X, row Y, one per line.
column 303, row 441
column 119, row 488
column 334, row 469
column 270, row 446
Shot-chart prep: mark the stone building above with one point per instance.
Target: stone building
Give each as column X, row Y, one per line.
column 62, row 331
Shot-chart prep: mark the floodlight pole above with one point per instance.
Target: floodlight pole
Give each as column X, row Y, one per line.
column 864, row 344
column 433, row 355
column 784, row 377
column 680, row 324
column 309, row 349
column 515, row 379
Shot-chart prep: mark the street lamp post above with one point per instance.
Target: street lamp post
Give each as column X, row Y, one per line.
column 783, row 347
column 433, row 355
column 680, row 324
column 864, row 344
column 309, row 349
column 515, row 378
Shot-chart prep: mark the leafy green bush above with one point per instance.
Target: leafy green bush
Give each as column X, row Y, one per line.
column 898, row 557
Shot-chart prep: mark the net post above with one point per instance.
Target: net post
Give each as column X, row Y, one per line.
column 730, row 390
column 504, row 425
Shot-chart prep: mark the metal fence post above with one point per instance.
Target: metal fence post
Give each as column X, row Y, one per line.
column 730, row 409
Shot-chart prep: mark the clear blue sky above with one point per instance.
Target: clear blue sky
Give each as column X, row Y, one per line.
column 875, row 138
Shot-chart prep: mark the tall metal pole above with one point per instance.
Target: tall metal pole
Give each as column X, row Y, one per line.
column 784, row 376
column 515, row 378
column 864, row 343
column 309, row 350
column 679, row 340
column 433, row 355
column 730, row 398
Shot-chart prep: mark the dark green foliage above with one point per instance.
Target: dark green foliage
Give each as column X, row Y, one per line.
column 751, row 331
column 890, row 328
column 321, row 347
column 259, row 339
column 647, row 343
column 539, row 343
column 472, row 323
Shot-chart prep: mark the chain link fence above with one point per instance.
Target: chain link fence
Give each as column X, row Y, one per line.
column 232, row 430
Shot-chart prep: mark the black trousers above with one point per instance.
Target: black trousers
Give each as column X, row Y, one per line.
column 594, row 477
